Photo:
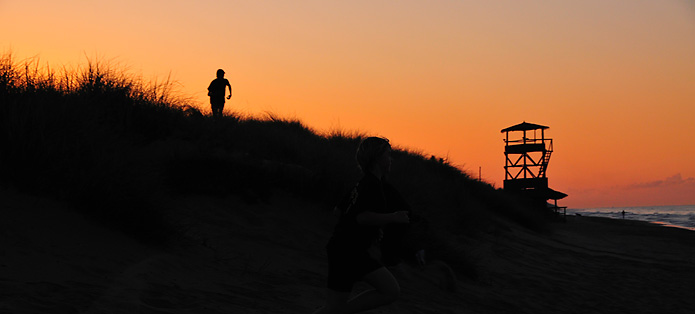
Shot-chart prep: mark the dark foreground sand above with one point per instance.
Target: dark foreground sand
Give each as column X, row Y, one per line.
column 268, row 258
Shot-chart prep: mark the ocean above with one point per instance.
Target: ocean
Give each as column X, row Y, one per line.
column 676, row 216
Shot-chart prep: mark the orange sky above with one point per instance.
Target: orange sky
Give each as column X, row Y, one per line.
column 613, row 79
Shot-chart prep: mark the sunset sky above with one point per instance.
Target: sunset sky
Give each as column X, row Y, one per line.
column 614, row 80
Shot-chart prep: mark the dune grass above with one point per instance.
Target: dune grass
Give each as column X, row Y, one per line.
column 114, row 146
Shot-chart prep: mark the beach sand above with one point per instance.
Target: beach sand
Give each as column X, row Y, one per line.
column 268, row 257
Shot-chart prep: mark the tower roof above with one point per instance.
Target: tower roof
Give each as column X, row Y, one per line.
column 555, row 195
column 524, row 126
column 545, row 193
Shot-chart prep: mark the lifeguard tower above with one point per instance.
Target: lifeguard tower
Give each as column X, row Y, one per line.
column 526, row 164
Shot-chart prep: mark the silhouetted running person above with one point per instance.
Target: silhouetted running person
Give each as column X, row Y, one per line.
column 353, row 249
column 216, row 91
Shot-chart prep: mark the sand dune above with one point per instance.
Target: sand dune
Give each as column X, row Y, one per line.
column 268, row 258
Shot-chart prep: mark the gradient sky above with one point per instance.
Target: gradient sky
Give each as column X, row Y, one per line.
column 614, row 80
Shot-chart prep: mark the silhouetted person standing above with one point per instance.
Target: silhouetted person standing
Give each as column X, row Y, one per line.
column 216, row 91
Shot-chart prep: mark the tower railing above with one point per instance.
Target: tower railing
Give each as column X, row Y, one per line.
column 526, row 162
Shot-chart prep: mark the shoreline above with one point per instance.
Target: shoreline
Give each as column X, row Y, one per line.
column 660, row 215
column 657, row 223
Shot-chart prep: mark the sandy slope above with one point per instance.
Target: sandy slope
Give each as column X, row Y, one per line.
column 268, row 258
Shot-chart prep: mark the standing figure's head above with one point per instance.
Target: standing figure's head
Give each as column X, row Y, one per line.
column 374, row 152
column 220, row 73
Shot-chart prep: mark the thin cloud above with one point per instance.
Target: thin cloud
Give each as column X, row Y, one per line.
column 672, row 181
column 673, row 190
